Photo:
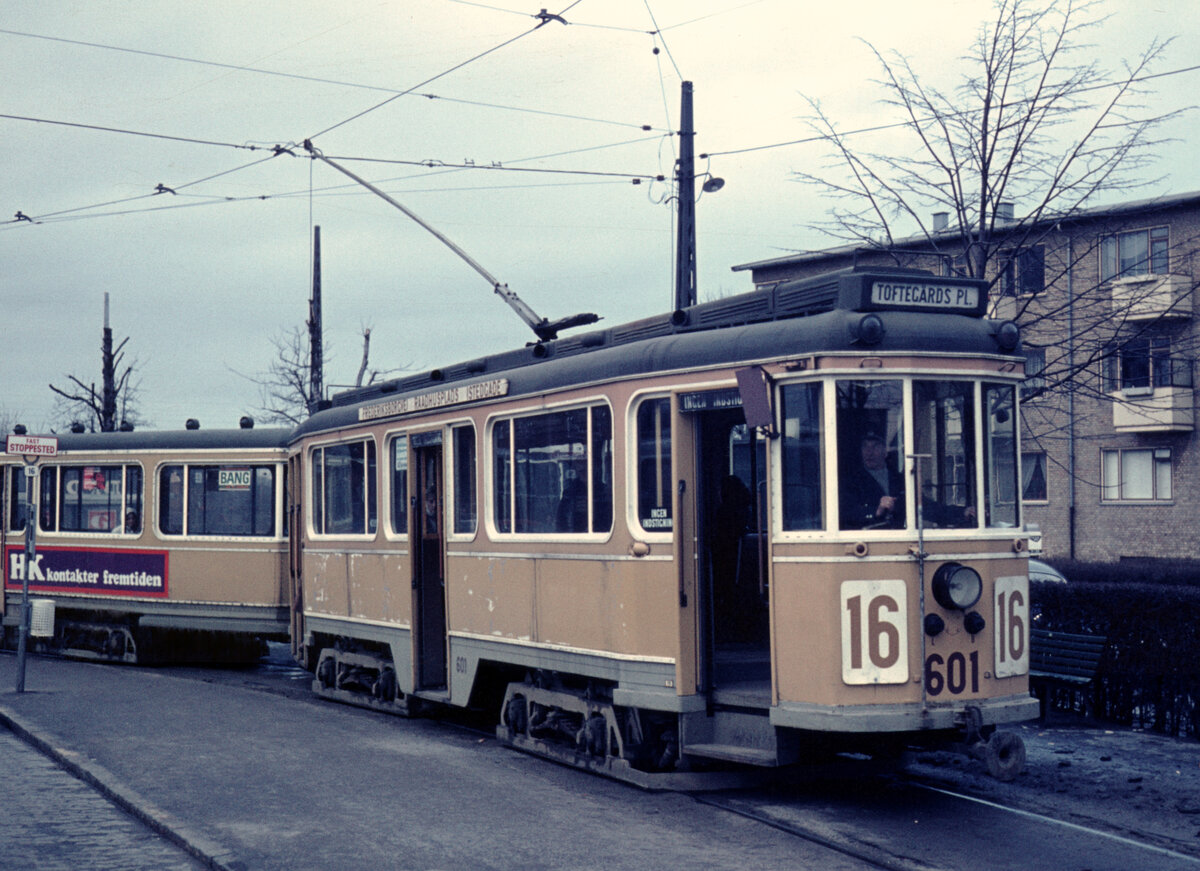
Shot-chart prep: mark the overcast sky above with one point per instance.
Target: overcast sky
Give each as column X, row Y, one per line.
column 201, row 280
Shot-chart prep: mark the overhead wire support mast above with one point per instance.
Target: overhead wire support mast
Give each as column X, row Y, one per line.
column 546, row 330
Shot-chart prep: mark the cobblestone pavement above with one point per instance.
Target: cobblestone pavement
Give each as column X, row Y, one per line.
column 51, row 821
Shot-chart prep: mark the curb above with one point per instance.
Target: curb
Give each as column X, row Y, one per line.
column 206, row 850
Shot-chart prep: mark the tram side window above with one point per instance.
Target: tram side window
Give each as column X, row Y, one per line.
column 464, row 479
column 170, row 500
column 654, row 495
column 17, row 503
column 1000, row 455
column 870, row 432
column 91, row 499
column 399, row 465
column 944, row 431
column 802, row 458
column 344, row 497
column 552, row 473
column 220, row 500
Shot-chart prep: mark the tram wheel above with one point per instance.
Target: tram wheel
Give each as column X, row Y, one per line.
column 516, row 716
column 1004, row 754
column 385, row 686
column 595, row 732
column 327, row 672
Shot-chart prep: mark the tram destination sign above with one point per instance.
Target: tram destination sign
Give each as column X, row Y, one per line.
column 31, row 446
column 926, row 296
column 436, row 399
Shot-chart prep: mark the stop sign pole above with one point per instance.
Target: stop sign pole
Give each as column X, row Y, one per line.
column 31, row 449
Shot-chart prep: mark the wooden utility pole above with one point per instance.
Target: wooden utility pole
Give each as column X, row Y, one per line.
column 108, row 373
column 316, row 376
column 685, row 187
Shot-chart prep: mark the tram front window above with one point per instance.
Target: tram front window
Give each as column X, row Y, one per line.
column 944, row 433
column 1000, row 455
column 871, row 451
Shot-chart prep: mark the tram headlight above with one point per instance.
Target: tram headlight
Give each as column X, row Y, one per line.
column 869, row 329
column 1008, row 336
column 956, row 586
column 974, row 622
column 934, row 625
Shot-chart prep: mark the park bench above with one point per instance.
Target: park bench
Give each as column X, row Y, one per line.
column 1062, row 660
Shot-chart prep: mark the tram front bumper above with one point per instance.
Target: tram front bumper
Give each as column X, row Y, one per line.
column 902, row 717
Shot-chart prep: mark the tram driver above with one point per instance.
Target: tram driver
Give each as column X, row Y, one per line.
column 872, row 493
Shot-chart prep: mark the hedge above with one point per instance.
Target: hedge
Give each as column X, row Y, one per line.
column 1149, row 676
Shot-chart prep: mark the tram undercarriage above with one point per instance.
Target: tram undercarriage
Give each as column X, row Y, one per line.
column 110, row 636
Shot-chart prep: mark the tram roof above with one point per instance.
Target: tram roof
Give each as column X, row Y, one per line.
column 796, row 318
column 175, row 440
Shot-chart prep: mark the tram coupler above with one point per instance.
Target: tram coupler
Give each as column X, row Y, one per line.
column 1002, row 752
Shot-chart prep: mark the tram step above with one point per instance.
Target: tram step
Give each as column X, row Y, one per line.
column 739, row 736
column 733, row 753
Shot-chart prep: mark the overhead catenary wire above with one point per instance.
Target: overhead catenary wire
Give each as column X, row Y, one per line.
column 428, row 164
column 327, row 81
column 440, row 75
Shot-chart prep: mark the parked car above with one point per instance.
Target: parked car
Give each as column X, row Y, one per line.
column 1040, row 571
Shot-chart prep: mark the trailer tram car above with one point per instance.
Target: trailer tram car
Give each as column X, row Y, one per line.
column 648, row 547
column 154, row 546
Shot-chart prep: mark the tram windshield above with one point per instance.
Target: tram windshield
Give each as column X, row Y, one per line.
column 874, row 417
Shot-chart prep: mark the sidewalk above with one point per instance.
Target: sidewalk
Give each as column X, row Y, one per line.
column 53, row 820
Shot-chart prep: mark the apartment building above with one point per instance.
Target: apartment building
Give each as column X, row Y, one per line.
column 1106, row 300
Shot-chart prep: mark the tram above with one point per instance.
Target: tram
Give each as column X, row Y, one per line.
column 165, row 546
column 758, row 528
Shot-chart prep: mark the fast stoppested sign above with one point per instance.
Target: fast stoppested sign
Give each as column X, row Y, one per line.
column 31, row 446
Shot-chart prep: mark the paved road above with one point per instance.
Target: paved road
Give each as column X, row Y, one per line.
column 51, row 820
column 260, row 780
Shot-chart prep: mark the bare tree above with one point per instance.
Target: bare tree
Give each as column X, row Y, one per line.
column 285, row 388
column 114, row 403
column 1036, row 122
column 1026, row 124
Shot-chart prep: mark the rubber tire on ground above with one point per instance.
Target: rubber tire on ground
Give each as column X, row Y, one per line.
column 1005, row 756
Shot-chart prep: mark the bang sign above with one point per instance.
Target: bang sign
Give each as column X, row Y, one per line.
column 233, row 479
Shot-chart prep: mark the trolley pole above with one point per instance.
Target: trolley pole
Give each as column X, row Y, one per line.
column 31, row 449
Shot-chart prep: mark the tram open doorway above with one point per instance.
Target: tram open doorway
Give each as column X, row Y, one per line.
column 732, row 528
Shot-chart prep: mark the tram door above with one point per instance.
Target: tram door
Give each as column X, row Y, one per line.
column 730, row 516
column 294, row 502
column 429, row 584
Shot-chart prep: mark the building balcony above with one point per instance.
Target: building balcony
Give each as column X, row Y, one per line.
column 1149, row 297
column 1153, row 409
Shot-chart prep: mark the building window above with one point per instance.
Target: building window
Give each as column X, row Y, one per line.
column 464, row 479
column 1035, row 365
column 1033, row 476
column 1023, row 273
column 1136, row 475
column 552, row 473
column 1141, row 252
column 1145, row 362
column 91, row 499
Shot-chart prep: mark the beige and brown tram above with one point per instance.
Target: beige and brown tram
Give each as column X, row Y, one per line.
column 153, row 546
column 642, row 547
